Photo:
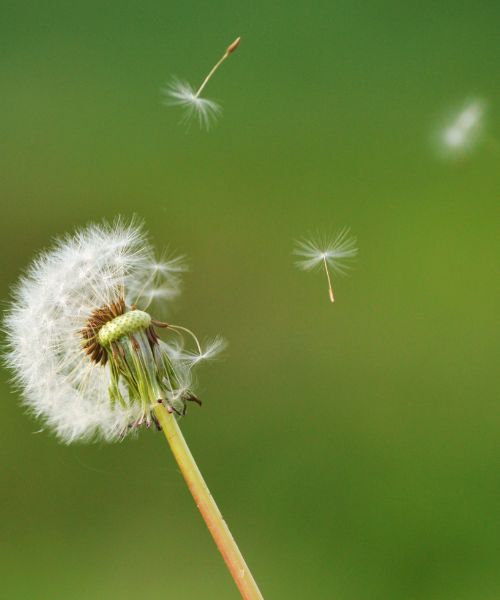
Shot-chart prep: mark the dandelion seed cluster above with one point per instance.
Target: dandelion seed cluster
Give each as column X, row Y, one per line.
column 81, row 342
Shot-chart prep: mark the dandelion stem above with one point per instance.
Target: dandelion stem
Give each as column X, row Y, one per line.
column 330, row 287
column 230, row 49
column 207, row 506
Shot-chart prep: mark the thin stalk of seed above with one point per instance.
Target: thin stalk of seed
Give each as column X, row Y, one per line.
column 330, row 287
column 206, row 504
column 178, row 328
column 230, row 49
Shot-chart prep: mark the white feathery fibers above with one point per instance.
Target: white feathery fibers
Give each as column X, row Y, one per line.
column 313, row 252
column 180, row 93
column 208, row 352
column 51, row 305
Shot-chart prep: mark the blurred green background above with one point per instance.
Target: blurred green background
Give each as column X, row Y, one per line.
column 353, row 448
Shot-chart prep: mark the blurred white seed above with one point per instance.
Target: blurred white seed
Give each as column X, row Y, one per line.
column 461, row 131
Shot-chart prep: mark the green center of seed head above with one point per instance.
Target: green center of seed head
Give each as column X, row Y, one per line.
column 130, row 322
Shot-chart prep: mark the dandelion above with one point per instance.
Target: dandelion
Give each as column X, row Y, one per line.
column 66, row 326
column 180, row 93
column 463, row 130
column 88, row 357
column 324, row 253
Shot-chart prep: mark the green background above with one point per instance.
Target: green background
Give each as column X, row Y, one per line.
column 353, row 448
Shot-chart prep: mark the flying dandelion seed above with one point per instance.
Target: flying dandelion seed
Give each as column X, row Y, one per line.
column 462, row 131
column 180, row 93
column 323, row 253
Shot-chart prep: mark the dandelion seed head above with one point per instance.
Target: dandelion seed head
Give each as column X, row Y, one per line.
column 98, row 275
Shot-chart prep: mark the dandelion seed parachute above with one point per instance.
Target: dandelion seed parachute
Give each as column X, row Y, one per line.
column 91, row 277
column 180, row 93
column 324, row 252
column 336, row 251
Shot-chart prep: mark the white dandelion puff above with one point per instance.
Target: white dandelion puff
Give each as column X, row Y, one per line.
column 85, row 354
column 323, row 252
column 462, row 131
column 180, row 93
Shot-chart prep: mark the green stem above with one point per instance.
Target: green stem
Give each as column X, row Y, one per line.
column 206, row 504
